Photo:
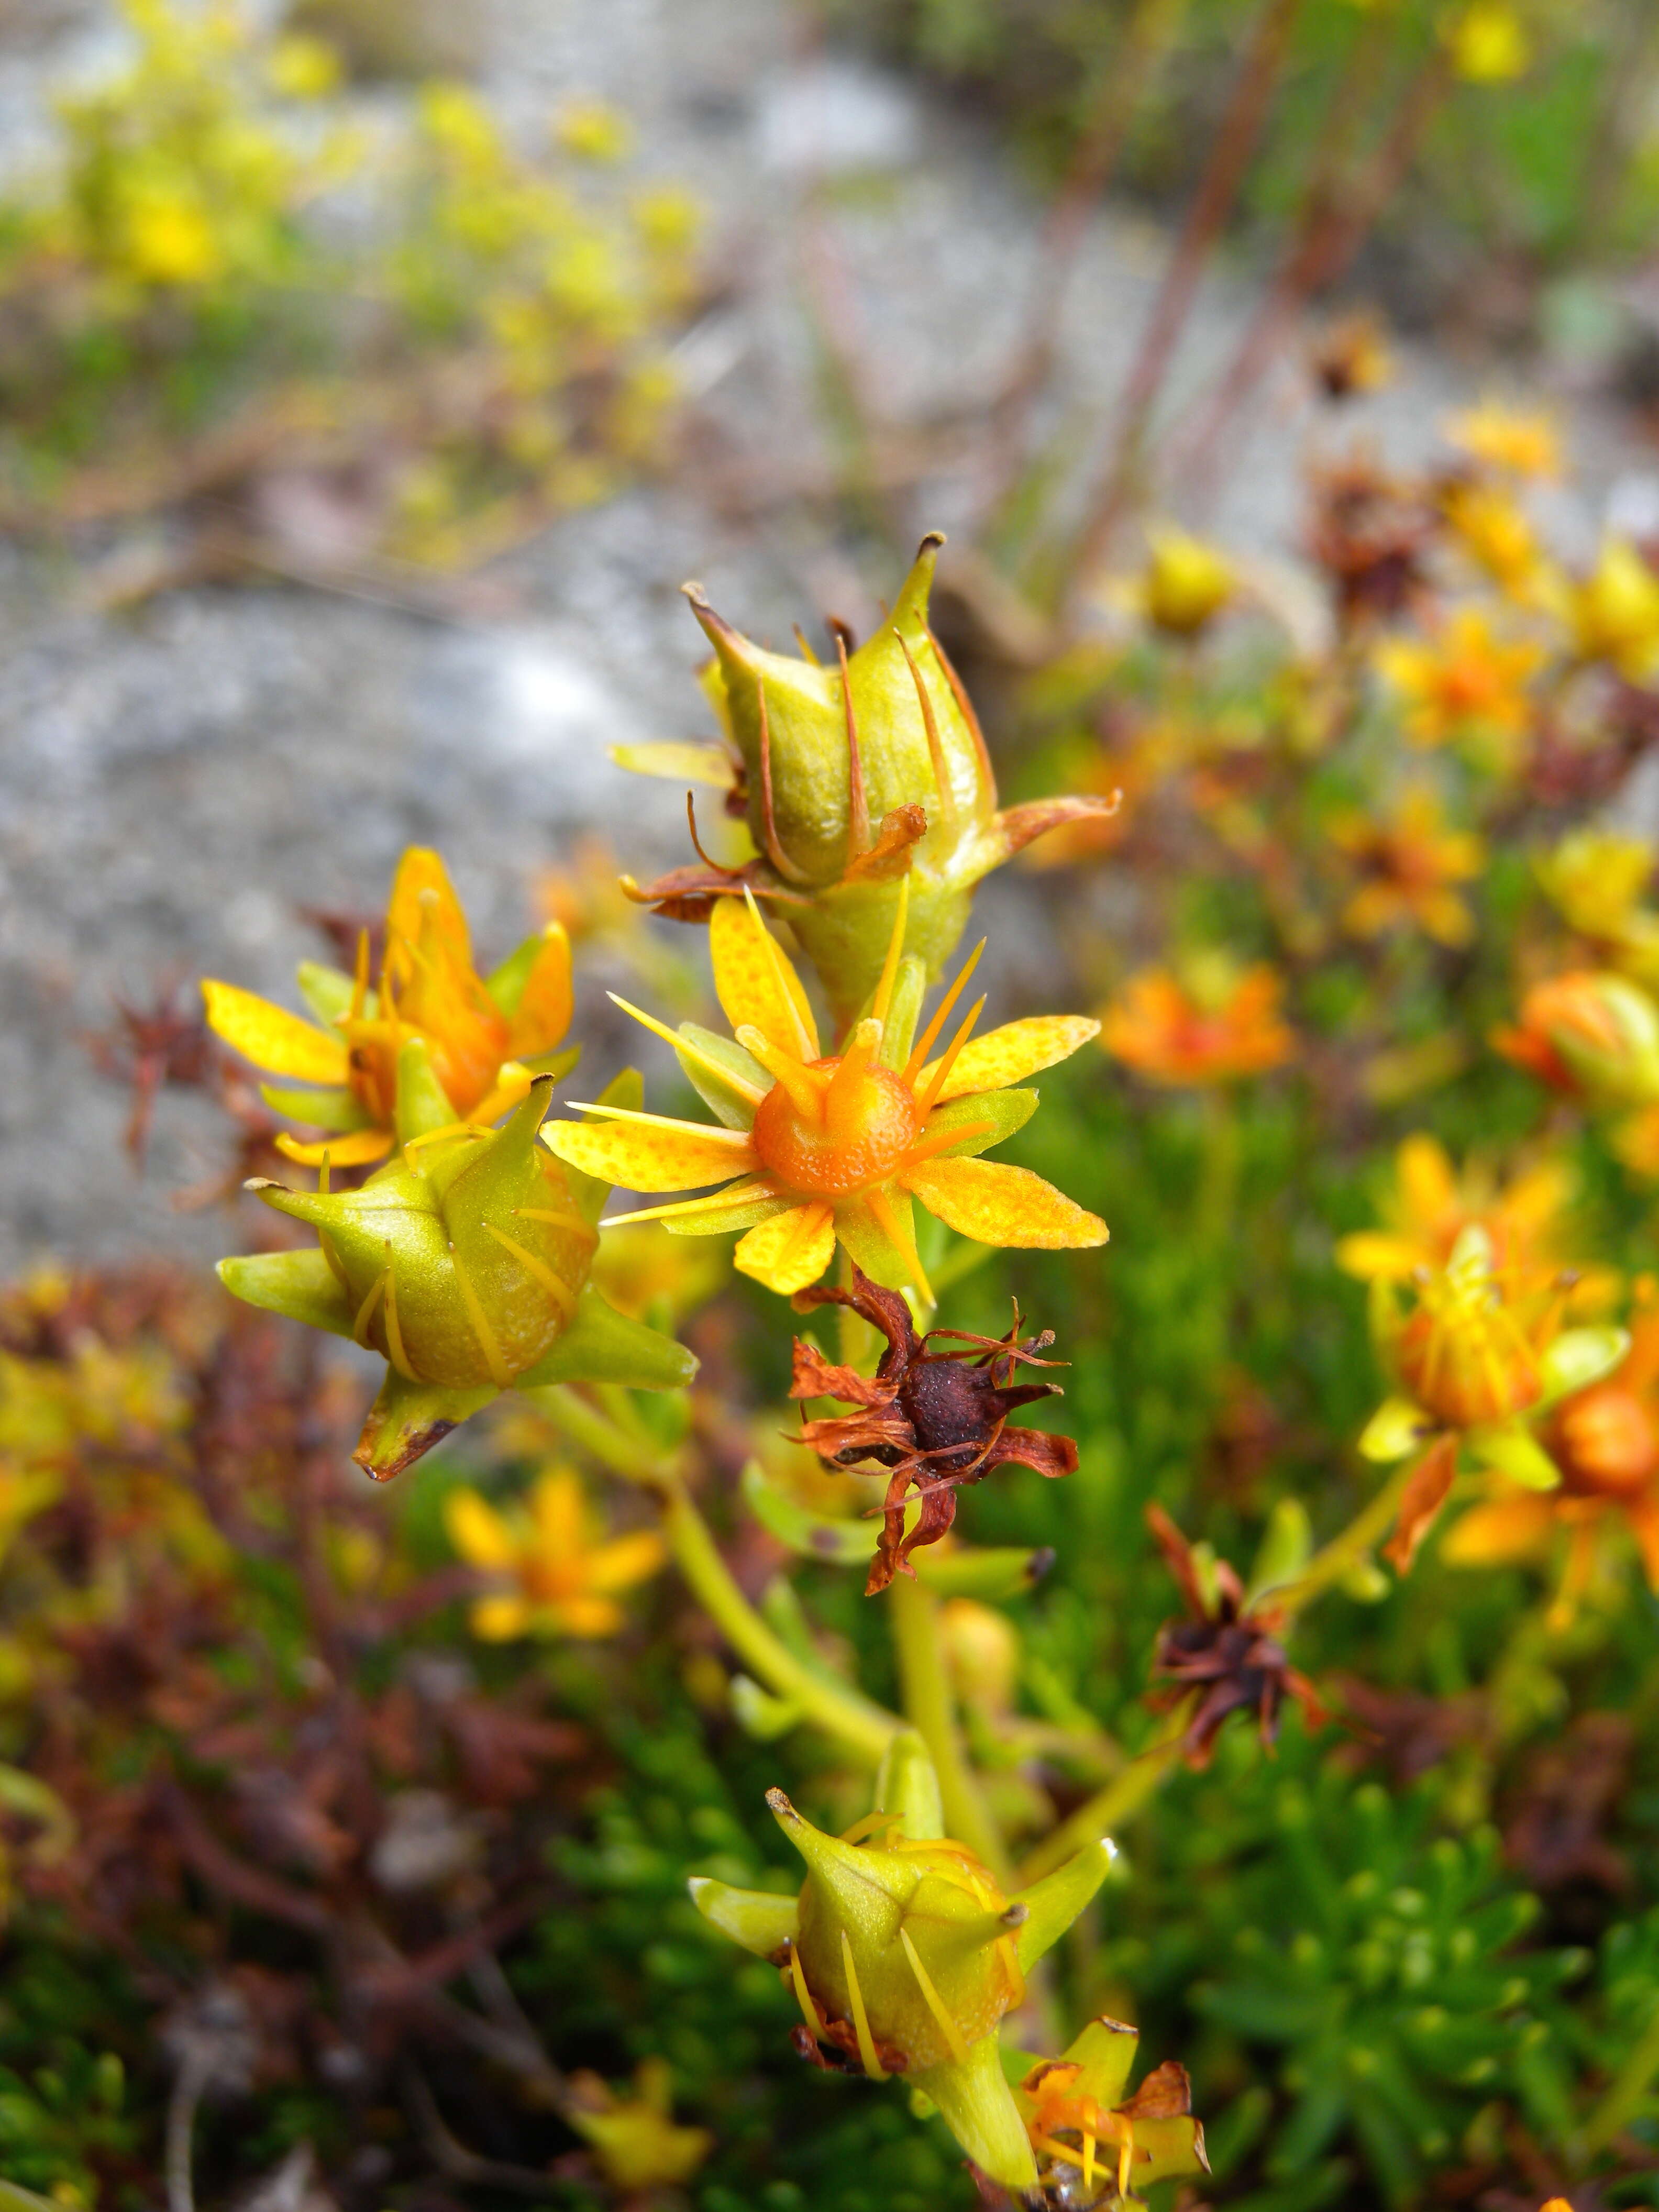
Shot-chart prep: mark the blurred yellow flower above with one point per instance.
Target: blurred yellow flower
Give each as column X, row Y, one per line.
column 1186, row 583
column 1431, row 1203
column 1613, row 612
column 593, row 131
column 635, row 2138
column 1462, row 683
column 1409, row 862
column 1491, row 529
column 1522, row 441
column 557, row 1580
column 304, row 68
column 1488, row 44
column 1215, row 1024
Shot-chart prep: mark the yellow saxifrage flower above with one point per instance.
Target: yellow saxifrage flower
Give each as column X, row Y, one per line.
column 1432, row 1205
column 558, row 1582
column 1464, row 683
column 1605, row 1440
column 1596, row 879
column 1613, row 612
column 818, row 1148
column 1411, row 863
column 1186, row 584
column 1488, row 44
column 484, row 1040
column 1522, row 441
column 1494, row 531
column 1217, row 1024
column 635, row 2139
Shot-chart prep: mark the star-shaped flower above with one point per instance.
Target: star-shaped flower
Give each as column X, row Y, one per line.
column 818, row 1148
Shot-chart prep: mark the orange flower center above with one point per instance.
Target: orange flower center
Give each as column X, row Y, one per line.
column 1606, row 1443
column 1463, row 1356
column 853, row 1135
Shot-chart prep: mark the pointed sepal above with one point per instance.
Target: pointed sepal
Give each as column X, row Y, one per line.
column 977, row 2105
column 760, row 1920
column 407, row 1419
column 602, row 1345
column 1055, row 1902
column 299, row 1285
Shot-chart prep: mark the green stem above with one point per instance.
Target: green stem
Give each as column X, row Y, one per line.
column 863, row 1726
column 914, row 1613
column 1218, row 1175
column 1122, row 1797
column 1346, row 1551
column 854, row 1719
column 1625, row 2093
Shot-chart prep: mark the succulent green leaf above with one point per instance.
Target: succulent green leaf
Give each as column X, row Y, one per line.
column 813, row 1535
column 423, row 1104
column 327, row 992
column 602, row 1345
column 301, row 1285
column 1055, row 1902
column 1005, row 1111
column 977, row 2105
column 1396, row 1428
column 1579, row 1357
column 1515, row 1452
column 995, row 1570
column 407, row 1419
column 760, row 1920
column 733, row 1103
column 907, row 1783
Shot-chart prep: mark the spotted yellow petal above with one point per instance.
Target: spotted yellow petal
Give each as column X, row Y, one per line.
column 272, row 1037
column 1501, row 1532
column 626, row 1560
column 499, row 1620
column 996, row 1204
column 478, row 1531
column 543, row 1013
column 651, row 1155
column 754, row 983
column 1010, row 1055
column 790, row 1251
column 353, row 1150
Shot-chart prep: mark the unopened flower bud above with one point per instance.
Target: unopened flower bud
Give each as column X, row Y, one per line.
column 1590, row 1031
column 1186, row 584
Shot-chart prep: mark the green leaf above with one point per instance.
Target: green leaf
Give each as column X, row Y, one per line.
column 1286, row 1548
column 1578, row 1358
column 1514, row 1451
column 301, row 1285
column 1004, row 1111
column 334, row 1110
column 602, row 1345
column 732, row 1101
column 327, row 992
column 1396, row 1428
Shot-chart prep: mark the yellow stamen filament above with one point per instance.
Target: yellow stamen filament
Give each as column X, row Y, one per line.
column 394, row 1334
column 892, row 1228
column 929, row 1099
column 489, row 1344
column 322, row 1177
column 857, row 805
column 958, row 692
column 470, row 1130
column 555, row 1220
column 1126, row 2158
column 941, row 1142
column 738, row 1139
column 335, row 1265
column 809, row 2011
column 1011, row 1966
column 953, row 2036
column 872, row 2065
column 935, row 750
column 690, row 1051
column 884, row 997
column 1088, row 2159
column 365, row 1311
column 559, row 1292
column 868, row 1824
column 918, row 1059
column 714, row 1201
column 360, row 980
column 806, row 652
column 806, row 1086
column 806, row 1043
column 775, row 852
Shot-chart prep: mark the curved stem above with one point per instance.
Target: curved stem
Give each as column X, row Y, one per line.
column 1624, row 2098
column 1346, row 1551
column 863, row 1726
column 929, row 1707
column 1122, row 1797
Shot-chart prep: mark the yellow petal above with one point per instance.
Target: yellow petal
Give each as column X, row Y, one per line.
column 790, row 1251
column 626, row 1560
column 498, row 1620
column 754, row 983
column 353, row 1150
column 650, row 1156
column 1011, row 1053
column 682, row 761
column 1500, row 1533
column 588, row 1616
column 1371, row 1252
column 478, row 1531
column 1428, row 1187
column 543, row 1013
column 996, row 1204
column 273, row 1038
column 558, row 1507
column 513, row 1083
column 438, row 919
